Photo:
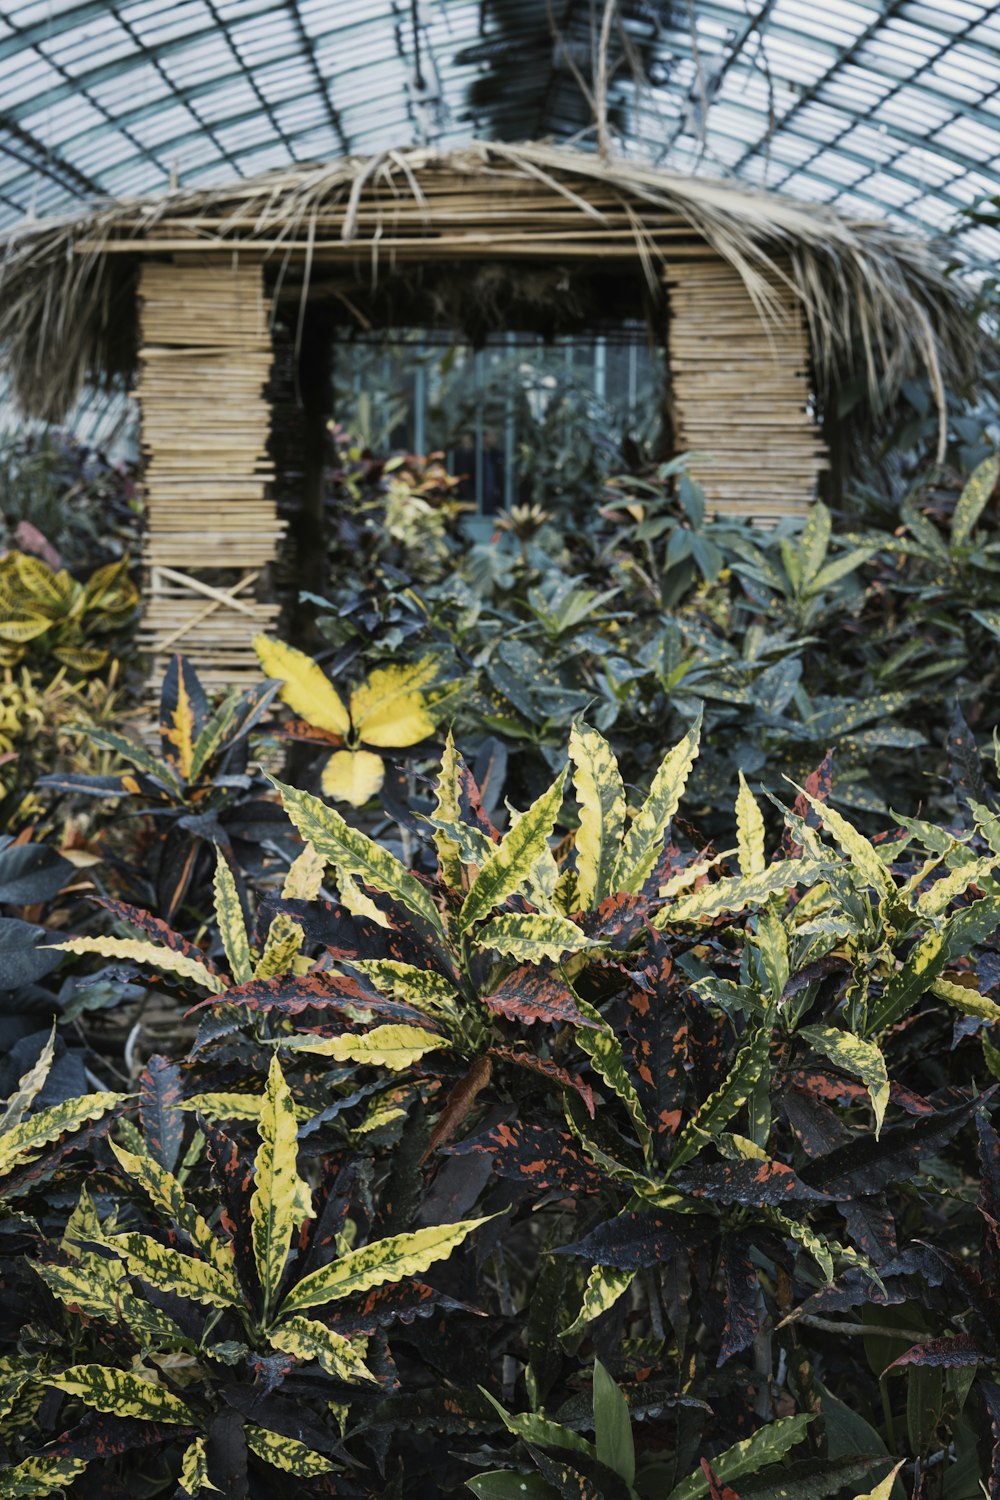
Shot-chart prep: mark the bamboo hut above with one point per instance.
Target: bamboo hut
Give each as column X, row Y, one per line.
column 768, row 305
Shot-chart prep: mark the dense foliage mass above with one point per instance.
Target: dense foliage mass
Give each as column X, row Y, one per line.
column 559, row 1118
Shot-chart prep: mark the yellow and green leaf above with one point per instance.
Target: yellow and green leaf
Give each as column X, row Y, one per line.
column 605, row 1285
column 305, row 876
column 232, row 928
column 359, row 855
column 28, row 1086
column 307, row 1339
column 307, row 690
column 286, row 1453
column 194, row 1469
column 858, row 1057
column 393, row 1046
column 749, row 831
column 167, row 1194
column 164, row 960
column 121, row 1393
column 532, row 936
column 510, row 863
column 389, row 709
column 278, row 1188
column 281, row 947
column 23, row 1143
column 384, row 1260
column 600, row 793
column 644, row 840
column 447, row 809
column 172, row 1271
column 36, row 1477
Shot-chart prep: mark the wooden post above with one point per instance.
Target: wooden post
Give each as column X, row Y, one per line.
column 212, row 525
column 741, row 392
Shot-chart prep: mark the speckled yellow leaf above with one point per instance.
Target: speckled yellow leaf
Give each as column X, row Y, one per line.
column 353, row 776
column 166, row 1193
column 286, row 1453
column 278, row 1187
column 392, row 1046
column 600, row 793
column 307, row 689
column 24, row 1142
column 389, row 709
column 36, row 1477
column 305, row 875
column 854, row 1055
column 308, row 1339
column 384, row 1260
column 510, row 863
column 749, row 831
column 122, row 1393
column 644, row 841
column 194, row 1469
column 173, row 1271
column 232, row 928
column 164, row 960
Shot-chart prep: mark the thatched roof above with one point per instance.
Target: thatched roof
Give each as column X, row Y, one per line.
column 878, row 301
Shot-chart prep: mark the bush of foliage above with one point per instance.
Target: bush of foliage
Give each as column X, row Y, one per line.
column 796, row 640
column 577, row 1156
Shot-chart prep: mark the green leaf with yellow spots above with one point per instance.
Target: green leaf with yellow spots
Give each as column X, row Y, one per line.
column 714, row 1114
column 858, row 1057
column 35, row 1477
column 447, row 809
column 604, row 1050
column 232, row 928
column 749, row 831
column 422, row 988
column 973, row 500
column 194, row 1469
column 600, row 794
column 644, row 840
column 532, row 936
column 278, row 1187
column 393, row 1046
column 734, row 893
column 134, row 950
column 121, row 1393
column 172, row 1271
column 167, row 1194
column 98, row 1287
column 605, row 1285
column 766, row 1446
column 509, row 865
column 357, row 854
column 286, row 1453
column 282, row 946
column 384, row 1260
column 23, row 1143
column 862, row 854
column 308, row 1339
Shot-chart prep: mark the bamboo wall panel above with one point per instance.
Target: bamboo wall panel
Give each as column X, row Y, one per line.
column 212, row 524
column 741, row 392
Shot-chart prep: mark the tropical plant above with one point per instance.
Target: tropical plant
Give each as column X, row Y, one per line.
column 394, row 708
column 49, row 617
column 198, row 793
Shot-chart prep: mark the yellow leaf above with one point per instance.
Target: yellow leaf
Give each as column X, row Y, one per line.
column 393, row 1046
column 22, row 1144
column 605, row 1285
column 194, row 1469
column 750, row 831
column 389, row 710
column 601, row 796
column 305, row 875
column 854, row 1055
column 307, row 689
column 278, row 1186
column 883, row 1489
column 172, row 1271
column 167, row 1194
column 448, row 809
column 353, row 776
column 283, row 944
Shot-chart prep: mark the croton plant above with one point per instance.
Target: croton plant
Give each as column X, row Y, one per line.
column 598, row 1163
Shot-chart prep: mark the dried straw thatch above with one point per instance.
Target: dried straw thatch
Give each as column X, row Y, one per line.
column 878, row 302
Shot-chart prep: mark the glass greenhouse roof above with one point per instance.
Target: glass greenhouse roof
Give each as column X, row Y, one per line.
column 881, row 107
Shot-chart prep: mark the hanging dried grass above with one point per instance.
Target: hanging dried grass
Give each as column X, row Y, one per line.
column 878, row 302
